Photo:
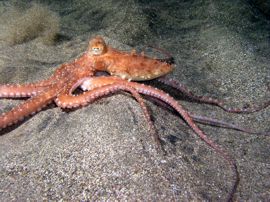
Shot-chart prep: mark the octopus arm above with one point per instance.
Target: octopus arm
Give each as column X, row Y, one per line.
column 101, row 86
column 32, row 89
column 209, row 100
column 29, row 107
column 215, row 122
column 90, row 84
column 109, row 85
column 67, row 100
column 17, row 90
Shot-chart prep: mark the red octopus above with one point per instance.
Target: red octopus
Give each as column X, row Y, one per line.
column 124, row 68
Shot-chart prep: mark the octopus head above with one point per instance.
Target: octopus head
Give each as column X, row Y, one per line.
column 97, row 46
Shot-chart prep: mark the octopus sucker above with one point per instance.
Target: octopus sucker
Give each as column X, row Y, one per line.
column 26, row 90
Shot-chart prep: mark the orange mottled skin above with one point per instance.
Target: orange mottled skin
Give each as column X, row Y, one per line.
column 130, row 66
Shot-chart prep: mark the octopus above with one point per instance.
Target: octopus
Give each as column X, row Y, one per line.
column 126, row 70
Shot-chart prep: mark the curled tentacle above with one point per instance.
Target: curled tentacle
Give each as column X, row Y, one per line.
column 67, row 100
column 114, row 84
column 183, row 89
column 88, row 84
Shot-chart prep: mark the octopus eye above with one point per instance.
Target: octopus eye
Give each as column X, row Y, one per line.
column 97, row 46
column 97, row 50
